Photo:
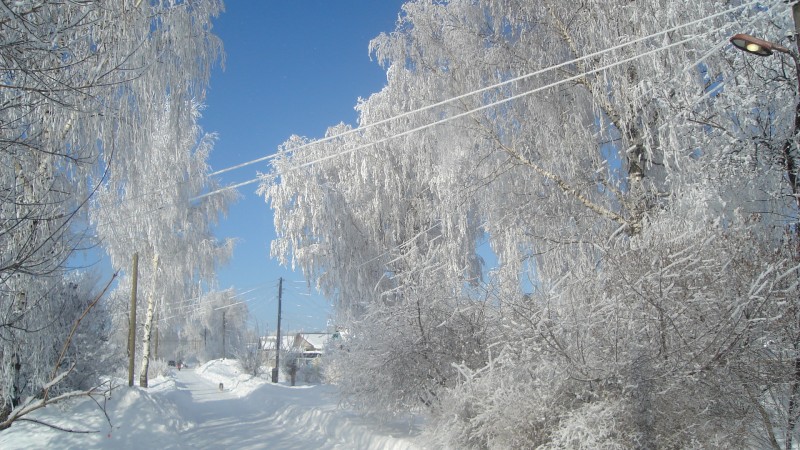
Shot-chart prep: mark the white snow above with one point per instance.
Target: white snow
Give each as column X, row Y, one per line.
column 186, row 409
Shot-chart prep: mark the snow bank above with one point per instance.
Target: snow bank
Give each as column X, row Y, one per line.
column 186, row 410
column 313, row 412
column 138, row 419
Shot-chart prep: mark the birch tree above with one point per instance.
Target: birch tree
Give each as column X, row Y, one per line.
column 147, row 207
column 77, row 77
column 76, row 81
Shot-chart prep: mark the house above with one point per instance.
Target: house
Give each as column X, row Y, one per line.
column 308, row 345
column 313, row 342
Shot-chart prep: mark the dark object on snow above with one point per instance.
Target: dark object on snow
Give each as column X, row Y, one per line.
column 220, row 387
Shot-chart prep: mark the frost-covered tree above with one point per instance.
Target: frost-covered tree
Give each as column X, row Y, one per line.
column 147, row 207
column 430, row 329
column 202, row 322
column 225, row 316
column 77, row 80
column 634, row 187
column 65, row 338
column 77, row 77
column 250, row 354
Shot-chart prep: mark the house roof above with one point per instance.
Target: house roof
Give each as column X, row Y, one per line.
column 316, row 341
column 268, row 342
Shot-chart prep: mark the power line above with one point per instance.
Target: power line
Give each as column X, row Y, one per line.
column 482, row 107
column 425, row 108
column 707, row 94
column 186, row 307
column 486, row 88
column 450, row 118
column 193, row 308
column 471, row 111
column 442, row 103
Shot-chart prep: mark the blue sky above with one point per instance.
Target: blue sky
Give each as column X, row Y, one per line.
column 293, row 67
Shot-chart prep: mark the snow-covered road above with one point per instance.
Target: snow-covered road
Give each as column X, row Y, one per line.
column 224, row 420
column 248, row 415
column 220, row 419
column 186, row 410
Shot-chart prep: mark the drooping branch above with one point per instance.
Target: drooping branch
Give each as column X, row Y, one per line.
column 68, row 341
column 633, row 227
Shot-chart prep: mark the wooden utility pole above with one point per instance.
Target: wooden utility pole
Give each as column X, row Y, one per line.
column 132, row 324
column 223, row 334
column 276, row 370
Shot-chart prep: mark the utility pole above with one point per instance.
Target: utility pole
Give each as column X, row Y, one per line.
column 132, row 323
column 278, row 335
column 223, row 334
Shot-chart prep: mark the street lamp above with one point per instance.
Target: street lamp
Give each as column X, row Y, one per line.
column 760, row 47
column 756, row 46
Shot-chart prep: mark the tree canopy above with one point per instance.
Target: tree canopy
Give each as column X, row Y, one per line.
column 98, row 111
column 636, row 189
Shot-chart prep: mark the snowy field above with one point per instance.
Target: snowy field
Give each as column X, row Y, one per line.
column 186, row 409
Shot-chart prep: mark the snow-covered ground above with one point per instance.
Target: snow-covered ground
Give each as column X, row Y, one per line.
column 186, row 409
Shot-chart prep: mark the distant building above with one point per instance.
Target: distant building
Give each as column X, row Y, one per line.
column 308, row 345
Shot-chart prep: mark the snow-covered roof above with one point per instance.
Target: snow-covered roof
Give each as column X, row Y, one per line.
column 318, row 340
column 288, row 341
column 268, row 342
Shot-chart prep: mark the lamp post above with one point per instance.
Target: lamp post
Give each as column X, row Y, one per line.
column 761, row 47
column 756, row 46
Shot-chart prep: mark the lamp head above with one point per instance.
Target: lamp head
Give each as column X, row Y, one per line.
column 756, row 46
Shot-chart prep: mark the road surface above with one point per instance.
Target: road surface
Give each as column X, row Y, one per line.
column 188, row 411
column 223, row 420
column 275, row 416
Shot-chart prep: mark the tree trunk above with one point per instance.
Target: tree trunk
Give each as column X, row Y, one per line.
column 148, row 326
